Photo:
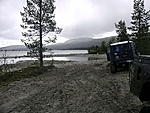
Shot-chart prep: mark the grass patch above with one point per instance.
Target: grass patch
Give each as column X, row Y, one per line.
column 8, row 77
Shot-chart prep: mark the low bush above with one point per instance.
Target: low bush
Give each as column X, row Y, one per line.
column 8, row 77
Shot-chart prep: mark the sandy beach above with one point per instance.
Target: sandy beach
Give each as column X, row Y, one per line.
column 71, row 87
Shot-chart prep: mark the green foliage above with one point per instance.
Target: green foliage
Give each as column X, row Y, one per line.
column 103, row 46
column 140, row 27
column 140, row 18
column 121, row 30
column 112, row 40
column 98, row 49
column 94, row 50
column 31, row 18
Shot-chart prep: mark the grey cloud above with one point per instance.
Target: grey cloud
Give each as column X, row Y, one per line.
column 108, row 13
column 12, row 34
column 10, row 19
column 87, row 30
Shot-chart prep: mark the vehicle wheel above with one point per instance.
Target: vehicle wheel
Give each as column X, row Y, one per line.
column 132, row 79
column 145, row 93
column 113, row 68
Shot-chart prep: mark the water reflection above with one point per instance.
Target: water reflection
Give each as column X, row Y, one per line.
column 68, row 58
column 5, row 54
column 71, row 58
column 53, row 52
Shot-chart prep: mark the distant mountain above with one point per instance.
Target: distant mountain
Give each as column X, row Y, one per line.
column 79, row 40
column 82, row 43
column 79, row 43
column 14, row 47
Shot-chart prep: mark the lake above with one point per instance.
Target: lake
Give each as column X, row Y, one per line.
column 54, row 52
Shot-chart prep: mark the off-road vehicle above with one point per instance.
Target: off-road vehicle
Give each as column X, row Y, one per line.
column 119, row 54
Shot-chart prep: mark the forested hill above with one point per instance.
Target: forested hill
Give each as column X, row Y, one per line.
column 79, row 43
column 82, row 43
column 14, row 47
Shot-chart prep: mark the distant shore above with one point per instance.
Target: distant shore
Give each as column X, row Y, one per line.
column 46, row 56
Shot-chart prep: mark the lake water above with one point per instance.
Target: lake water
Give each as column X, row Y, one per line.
column 54, row 52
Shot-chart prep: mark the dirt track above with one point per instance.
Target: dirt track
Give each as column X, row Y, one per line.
column 71, row 87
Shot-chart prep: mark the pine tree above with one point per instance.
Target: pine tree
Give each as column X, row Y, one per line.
column 38, row 22
column 140, row 18
column 112, row 40
column 103, row 46
column 121, row 30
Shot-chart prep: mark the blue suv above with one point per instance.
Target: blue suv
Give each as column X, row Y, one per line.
column 120, row 54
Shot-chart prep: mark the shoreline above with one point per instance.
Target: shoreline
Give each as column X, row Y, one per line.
column 20, row 64
column 45, row 56
column 86, row 55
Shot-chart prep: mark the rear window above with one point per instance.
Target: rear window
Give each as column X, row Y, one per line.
column 119, row 48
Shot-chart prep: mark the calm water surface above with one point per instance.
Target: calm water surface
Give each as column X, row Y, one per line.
column 54, row 52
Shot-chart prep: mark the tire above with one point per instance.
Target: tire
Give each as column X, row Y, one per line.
column 113, row 68
column 145, row 93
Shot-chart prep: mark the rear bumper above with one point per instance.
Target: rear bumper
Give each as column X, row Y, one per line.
column 120, row 62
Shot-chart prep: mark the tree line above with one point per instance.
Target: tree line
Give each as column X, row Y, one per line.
column 139, row 25
column 140, row 30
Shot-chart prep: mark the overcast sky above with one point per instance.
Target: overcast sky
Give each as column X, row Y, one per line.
column 78, row 18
